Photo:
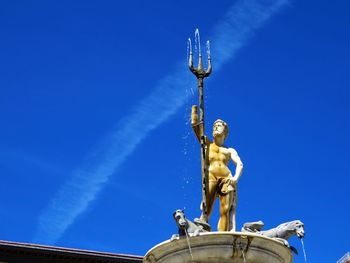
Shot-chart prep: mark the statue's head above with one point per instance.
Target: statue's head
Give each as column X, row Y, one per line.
column 220, row 128
column 180, row 218
column 288, row 229
column 298, row 228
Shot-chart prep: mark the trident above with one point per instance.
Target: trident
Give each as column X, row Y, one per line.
column 201, row 73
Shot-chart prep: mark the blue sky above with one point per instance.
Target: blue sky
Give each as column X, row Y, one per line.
column 95, row 96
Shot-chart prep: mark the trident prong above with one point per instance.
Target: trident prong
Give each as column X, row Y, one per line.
column 199, row 72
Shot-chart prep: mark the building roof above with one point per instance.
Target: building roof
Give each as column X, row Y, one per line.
column 13, row 252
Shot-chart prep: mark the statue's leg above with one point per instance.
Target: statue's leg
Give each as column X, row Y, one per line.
column 232, row 213
column 225, row 206
column 211, row 197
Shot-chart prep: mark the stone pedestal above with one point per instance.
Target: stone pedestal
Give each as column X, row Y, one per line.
column 220, row 247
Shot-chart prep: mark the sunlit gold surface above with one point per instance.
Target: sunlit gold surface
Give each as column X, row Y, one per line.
column 221, row 181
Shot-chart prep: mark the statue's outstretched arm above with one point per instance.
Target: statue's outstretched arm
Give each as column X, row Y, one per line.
column 239, row 165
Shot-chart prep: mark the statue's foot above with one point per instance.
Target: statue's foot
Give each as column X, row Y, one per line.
column 205, row 225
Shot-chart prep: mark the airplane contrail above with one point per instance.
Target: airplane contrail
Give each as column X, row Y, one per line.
column 243, row 18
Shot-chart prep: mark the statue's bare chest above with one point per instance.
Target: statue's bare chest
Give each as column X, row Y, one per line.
column 217, row 153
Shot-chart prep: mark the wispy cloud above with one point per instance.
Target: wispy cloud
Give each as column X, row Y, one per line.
column 239, row 24
column 74, row 197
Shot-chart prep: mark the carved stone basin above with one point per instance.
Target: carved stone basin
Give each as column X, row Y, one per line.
column 220, row 247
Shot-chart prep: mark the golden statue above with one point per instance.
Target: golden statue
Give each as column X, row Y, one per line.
column 221, row 182
column 217, row 179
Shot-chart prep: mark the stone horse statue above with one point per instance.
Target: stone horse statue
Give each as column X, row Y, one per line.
column 280, row 233
column 185, row 226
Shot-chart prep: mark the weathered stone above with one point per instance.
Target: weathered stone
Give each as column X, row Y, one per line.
column 220, row 247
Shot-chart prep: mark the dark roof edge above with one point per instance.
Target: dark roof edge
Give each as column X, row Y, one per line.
column 72, row 251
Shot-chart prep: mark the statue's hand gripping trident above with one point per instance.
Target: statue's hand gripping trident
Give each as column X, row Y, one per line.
column 200, row 74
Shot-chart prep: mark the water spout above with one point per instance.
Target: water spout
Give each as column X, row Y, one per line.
column 189, row 245
column 189, row 44
column 208, row 49
column 302, row 244
column 198, row 41
column 189, row 48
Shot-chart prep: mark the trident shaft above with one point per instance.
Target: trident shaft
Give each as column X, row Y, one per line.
column 201, row 73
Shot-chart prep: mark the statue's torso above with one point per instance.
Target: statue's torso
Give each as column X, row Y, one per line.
column 218, row 160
